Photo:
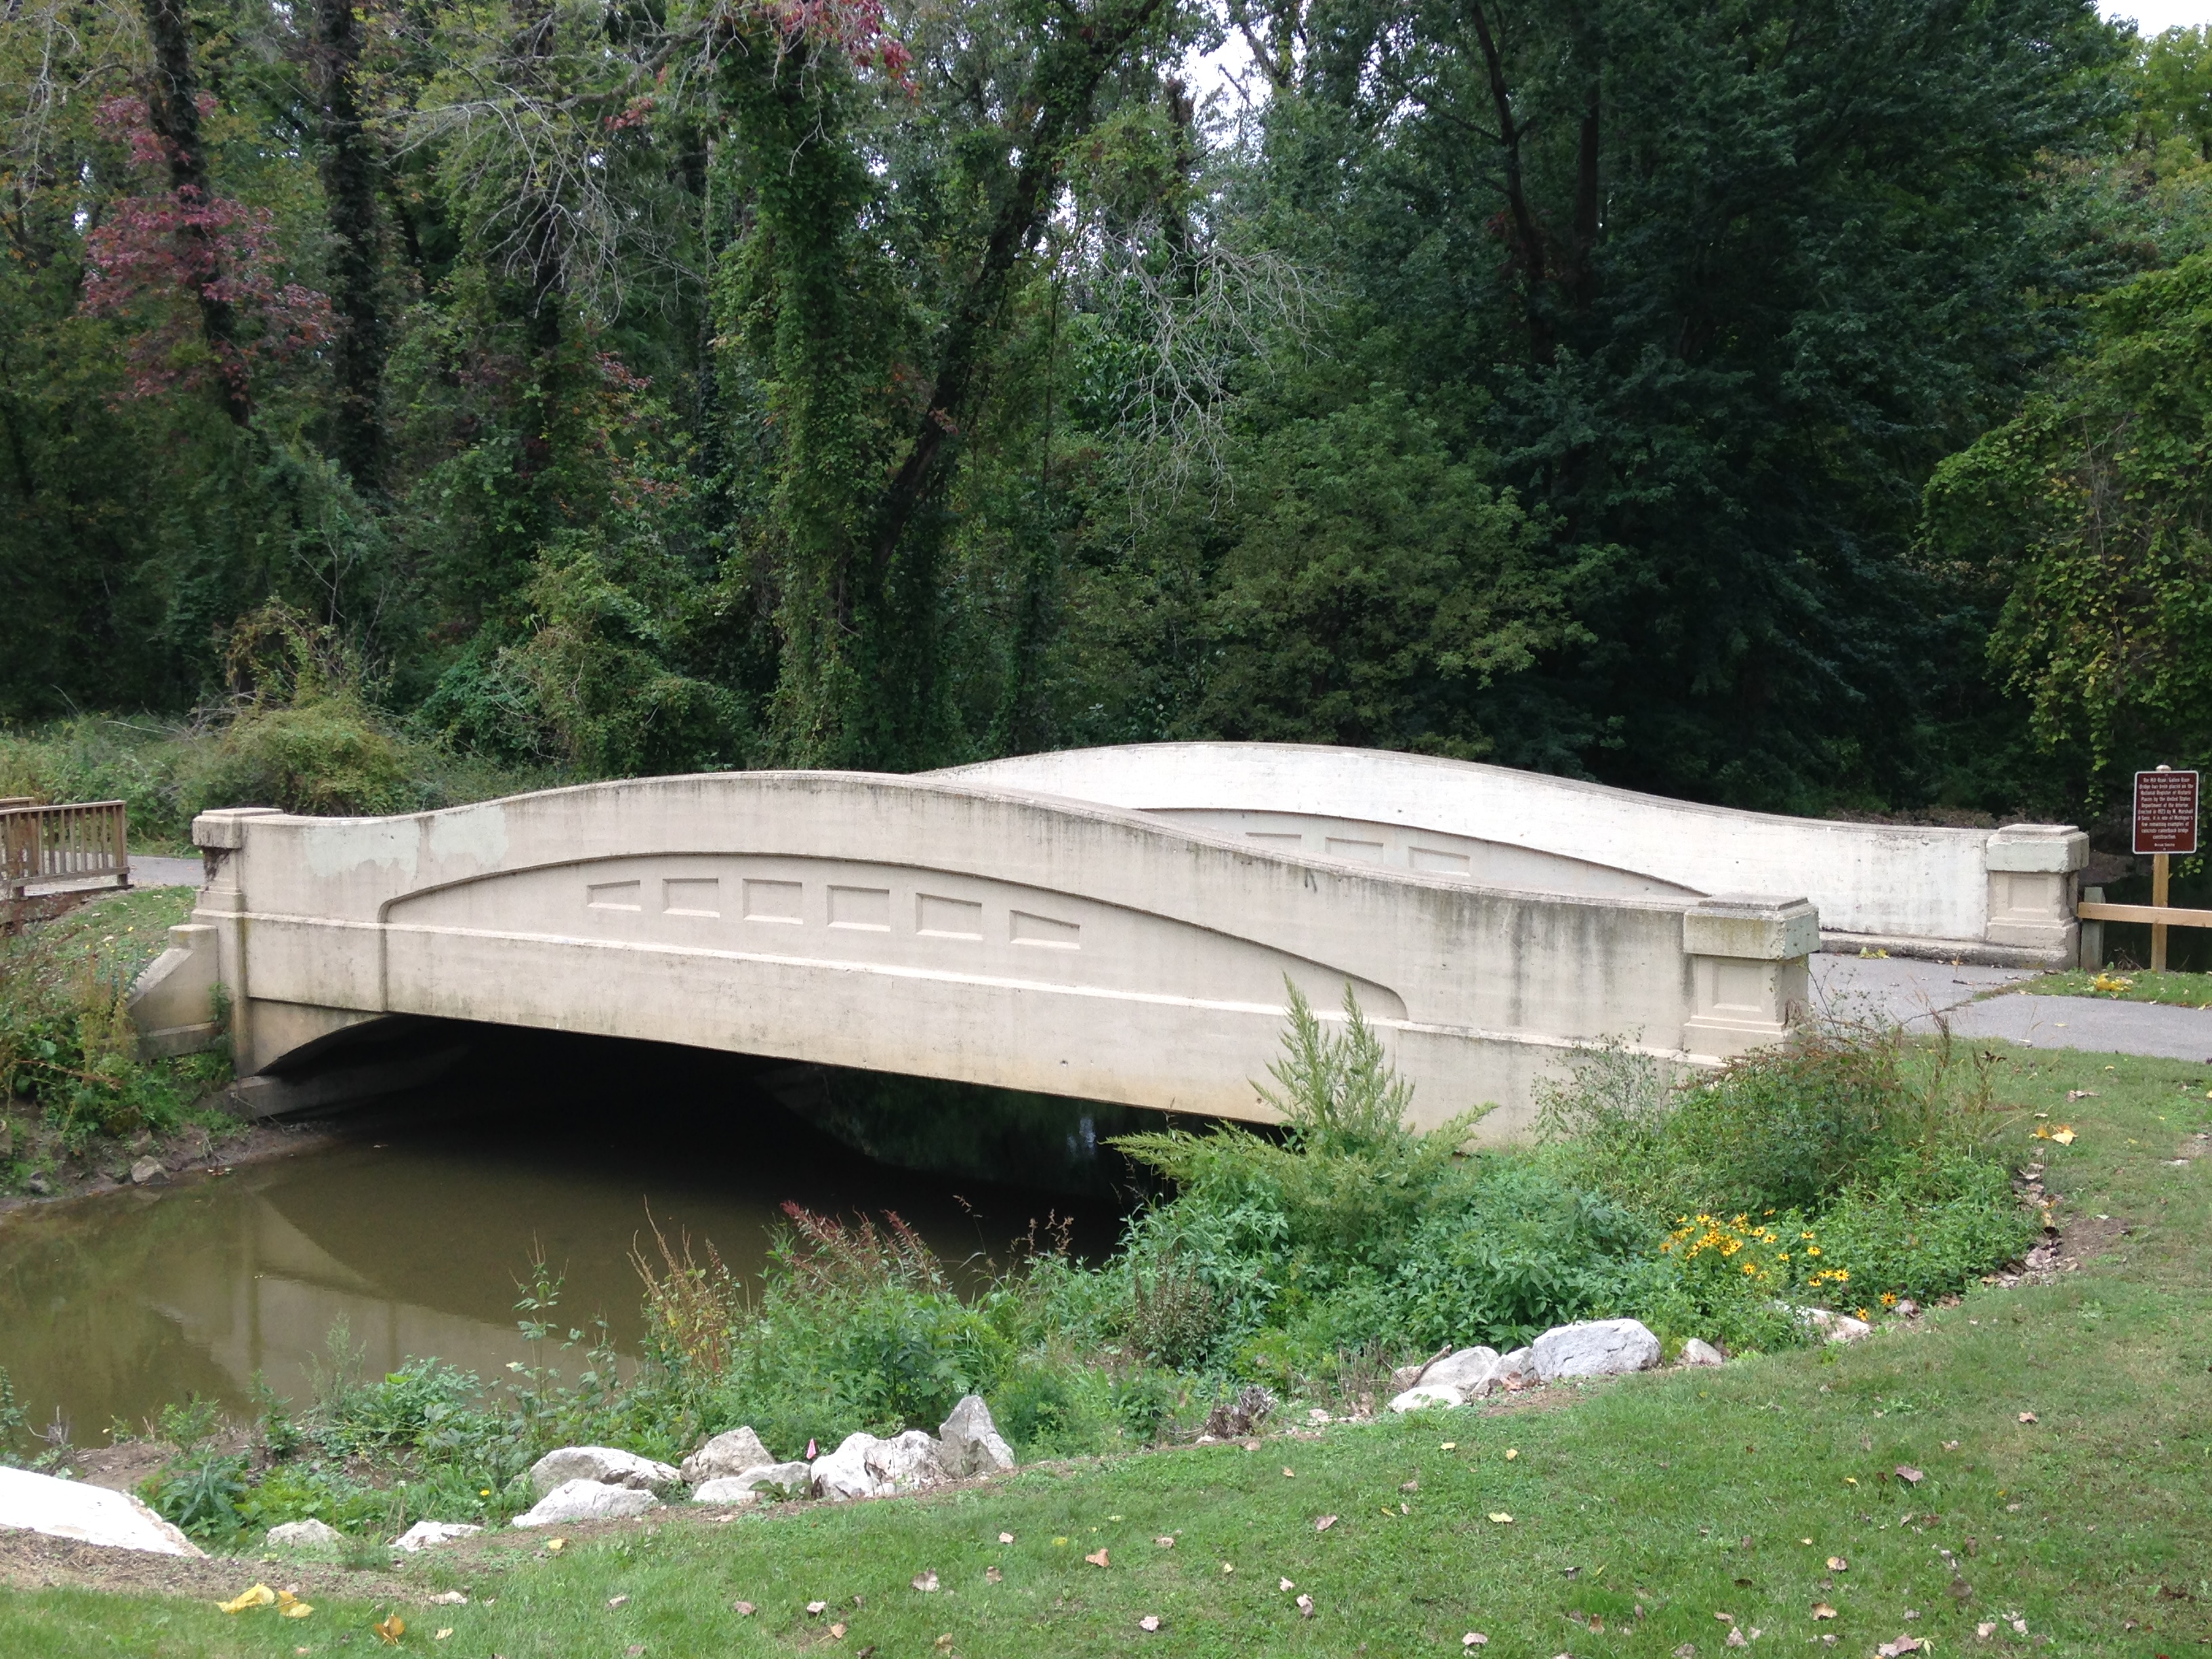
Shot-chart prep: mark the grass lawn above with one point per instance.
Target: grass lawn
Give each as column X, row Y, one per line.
column 2128, row 985
column 1652, row 1506
column 120, row 932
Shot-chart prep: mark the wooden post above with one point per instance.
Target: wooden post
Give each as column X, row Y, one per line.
column 120, row 816
column 2158, row 863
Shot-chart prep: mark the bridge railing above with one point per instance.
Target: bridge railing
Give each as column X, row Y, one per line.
column 75, row 844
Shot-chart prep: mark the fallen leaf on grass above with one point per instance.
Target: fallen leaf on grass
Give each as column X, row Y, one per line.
column 1006, row 1538
column 837, row 1632
column 1286, row 1584
column 1166, row 1541
column 1960, row 1590
column 1736, row 1639
column 1501, row 1518
column 447, row 1599
column 2028, row 1417
column 1097, row 1558
column 742, row 1609
column 1911, row 1476
column 1305, row 1607
column 1903, row 1644
column 1725, row 1618
column 1986, row 1629
column 1409, row 1485
column 1474, row 1638
column 1228, row 1566
column 391, row 1629
column 1837, row 1564
column 1512, row 1452
column 439, row 1636
column 260, row 1595
column 992, row 1576
column 2019, row 1626
column 944, row 1641
column 817, row 1608
column 618, row 1601
column 1822, row 1610
column 1950, row 1445
column 1150, row 1621
column 1324, row 1523
column 1449, row 1445
column 1289, row 1474
column 554, row 1544
column 925, row 1582
column 634, row 1649
column 1687, row 1650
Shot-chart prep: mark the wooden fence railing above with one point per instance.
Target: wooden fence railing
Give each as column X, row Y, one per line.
column 78, row 843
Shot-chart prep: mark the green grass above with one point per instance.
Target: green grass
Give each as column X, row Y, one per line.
column 119, row 934
column 2125, row 985
column 2098, row 1513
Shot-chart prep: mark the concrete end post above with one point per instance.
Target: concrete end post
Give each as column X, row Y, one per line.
column 2034, row 871
column 1749, row 978
column 221, row 837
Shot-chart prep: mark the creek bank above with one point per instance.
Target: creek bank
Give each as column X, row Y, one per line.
column 104, row 1167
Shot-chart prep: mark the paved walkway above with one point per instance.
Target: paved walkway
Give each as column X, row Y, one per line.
column 1914, row 993
column 149, row 871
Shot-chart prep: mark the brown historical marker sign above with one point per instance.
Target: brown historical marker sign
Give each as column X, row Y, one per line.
column 2166, row 813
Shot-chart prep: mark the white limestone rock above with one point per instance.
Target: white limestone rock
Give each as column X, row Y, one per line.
column 731, row 1492
column 423, row 1534
column 726, row 1454
column 1516, row 1371
column 1835, row 1326
column 794, row 1479
column 603, row 1464
column 309, row 1534
column 587, row 1500
column 1697, row 1352
column 1470, row 1371
column 147, row 1172
column 970, row 1442
column 1426, row 1395
column 1598, row 1347
column 86, row 1515
column 865, row 1467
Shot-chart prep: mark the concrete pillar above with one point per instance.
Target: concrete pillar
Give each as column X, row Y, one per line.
column 2034, row 871
column 221, row 837
column 1749, row 978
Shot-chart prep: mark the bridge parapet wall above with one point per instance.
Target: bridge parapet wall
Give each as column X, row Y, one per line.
column 2005, row 896
column 952, row 929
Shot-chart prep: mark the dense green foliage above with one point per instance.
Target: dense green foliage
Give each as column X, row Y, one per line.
column 736, row 384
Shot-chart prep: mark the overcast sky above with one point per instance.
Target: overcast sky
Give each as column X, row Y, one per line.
column 2153, row 16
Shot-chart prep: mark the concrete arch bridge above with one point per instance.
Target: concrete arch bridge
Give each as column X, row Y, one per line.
column 1113, row 924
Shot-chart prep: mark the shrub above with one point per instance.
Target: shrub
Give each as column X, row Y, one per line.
column 1926, row 1232
column 1520, row 1254
column 199, row 1492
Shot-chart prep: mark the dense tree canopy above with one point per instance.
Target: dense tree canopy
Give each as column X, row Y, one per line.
column 668, row 384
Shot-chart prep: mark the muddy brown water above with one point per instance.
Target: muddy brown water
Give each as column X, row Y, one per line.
column 412, row 1226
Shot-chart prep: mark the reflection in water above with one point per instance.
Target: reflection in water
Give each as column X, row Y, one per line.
column 417, row 1229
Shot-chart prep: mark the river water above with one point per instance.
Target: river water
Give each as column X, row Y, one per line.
column 413, row 1224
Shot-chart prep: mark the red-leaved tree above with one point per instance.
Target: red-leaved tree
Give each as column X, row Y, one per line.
column 164, row 260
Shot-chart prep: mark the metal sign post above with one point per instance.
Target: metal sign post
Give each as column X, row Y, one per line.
column 2166, row 824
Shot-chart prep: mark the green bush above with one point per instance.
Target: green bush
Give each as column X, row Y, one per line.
column 1928, row 1231
column 1522, row 1254
column 199, row 1492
